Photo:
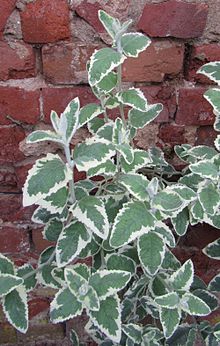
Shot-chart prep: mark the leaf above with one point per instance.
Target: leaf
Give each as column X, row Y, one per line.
column 91, row 212
column 40, row 136
column 105, row 131
column 74, row 338
column 42, row 216
column 170, row 319
column 151, row 251
column 83, row 270
column 212, row 250
column 93, row 152
column 108, row 282
column 108, row 83
column 54, row 120
column 30, row 282
column 8, row 283
column 107, row 168
column 56, row 201
column 168, row 201
column 163, row 230
column 170, row 262
column 95, row 124
column 126, row 151
column 73, row 238
column 217, row 142
column 82, row 290
column 133, row 97
column 52, row 230
column 182, row 279
column 194, row 305
column 44, row 276
column 181, row 222
column 169, row 300
column 209, row 197
column 102, row 62
column 6, row 265
column 120, row 262
column 69, row 120
column 133, row 331
column 134, row 43
column 214, row 284
column 88, row 112
column 201, row 152
column 42, row 181
column 64, row 306
column 205, row 169
column 111, row 24
column 207, row 297
column 141, row 159
column 108, row 318
column 15, row 308
column 136, row 184
column 139, row 119
column 211, row 70
column 132, row 221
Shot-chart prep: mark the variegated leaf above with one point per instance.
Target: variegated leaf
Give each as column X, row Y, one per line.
column 56, row 201
column 212, row 250
column 169, row 300
column 205, row 169
column 54, row 120
column 163, row 230
column 31, row 281
column 108, row 83
column 170, row 319
column 6, row 265
column 194, row 305
column 69, row 120
column 107, row 168
column 182, row 279
column 106, row 131
column 141, row 159
column 181, row 222
column 214, row 284
column 8, row 283
column 209, row 197
column 139, row 119
column 111, row 24
column 52, row 230
column 88, row 112
column 133, row 43
column 120, row 262
column 212, row 71
column 134, row 98
column 136, row 184
column 40, row 136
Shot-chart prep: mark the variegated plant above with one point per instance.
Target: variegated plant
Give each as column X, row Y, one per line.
column 128, row 221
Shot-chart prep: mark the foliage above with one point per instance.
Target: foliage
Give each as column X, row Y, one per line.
column 126, row 221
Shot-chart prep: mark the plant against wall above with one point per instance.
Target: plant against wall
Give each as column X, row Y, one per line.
column 128, row 221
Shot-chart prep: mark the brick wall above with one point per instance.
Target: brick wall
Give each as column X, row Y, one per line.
column 44, row 46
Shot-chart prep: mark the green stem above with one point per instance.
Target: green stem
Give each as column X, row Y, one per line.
column 71, row 166
column 40, row 266
column 104, row 109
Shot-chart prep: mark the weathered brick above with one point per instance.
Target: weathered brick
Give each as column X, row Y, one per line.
column 172, row 134
column 39, row 242
column 10, row 137
column 8, row 179
column 58, row 98
column 20, row 104
column 193, row 109
column 6, row 8
column 37, row 306
column 89, row 12
column 12, row 209
column 21, row 172
column 162, row 58
column 147, row 137
column 205, row 135
column 14, row 239
column 200, row 236
column 45, row 21
column 8, row 334
column 174, row 18
column 66, row 63
column 17, row 60
column 202, row 54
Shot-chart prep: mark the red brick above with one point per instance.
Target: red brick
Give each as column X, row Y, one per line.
column 162, row 58
column 45, row 21
column 200, row 236
column 89, row 12
column 21, row 174
column 6, row 8
column 193, row 109
column 164, row 95
column 172, row 134
column 174, row 18
column 17, row 60
column 13, row 239
column 39, row 242
column 12, row 209
column 8, row 179
column 20, row 104
column 201, row 55
column 206, row 135
column 37, row 305
column 66, row 63
column 10, row 137
column 58, row 98
column 8, row 334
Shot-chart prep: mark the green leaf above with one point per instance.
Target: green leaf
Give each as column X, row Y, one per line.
column 91, row 212
column 79, row 286
column 95, row 124
column 42, row 181
column 120, row 262
column 169, row 300
column 107, row 168
column 205, row 169
column 8, row 283
column 126, row 152
column 168, row 201
column 73, row 238
column 83, row 270
column 209, row 197
column 207, row 297
column 106, row 131
column 108, row 318
column 151, row 251
column 136, row 184
column 139, row 119
column 15, row 308
column 141, row 159
column 108, row 282
column 56, row 201
column 194, row 305
column 74, row 338
column 134, row 98
column 102, row 62
column 212, row 250
column 6, row 265
column 119, row 132
column 133, row 43
column 170, row 262
column 91, row 249
column 42, row 216
column 111, row 24
column 88, row 112
column 40, row 136
column 69, row 120
column 217, row 142
column 132, row 221
column 182, row 279
column 30, row 282
column 93, row 152
column 202, row 152
column 214, row 284
column 181, row 222
column 64, row 306
column 108, row 83
column 170, row 319
column 54, row 120
column 44, row 276
column 163, row 230
column 133, row 331
column 111, row 102
column 52, row 230
column 212, row 71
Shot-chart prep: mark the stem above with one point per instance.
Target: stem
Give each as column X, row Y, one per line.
column 71, row 166
column 40, row 266
column 119, row 71
column 105, row 112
